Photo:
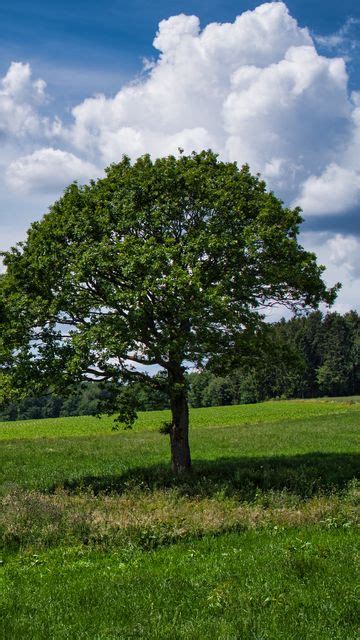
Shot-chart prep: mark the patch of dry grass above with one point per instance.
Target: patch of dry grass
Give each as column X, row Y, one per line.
column 30, row 519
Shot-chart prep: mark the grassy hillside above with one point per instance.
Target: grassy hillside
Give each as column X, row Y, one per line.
column 99, row 541
column 246, row 414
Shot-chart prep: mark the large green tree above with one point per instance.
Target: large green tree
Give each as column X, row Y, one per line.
column 159, row 263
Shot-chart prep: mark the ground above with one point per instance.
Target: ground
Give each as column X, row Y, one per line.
column 99, row 541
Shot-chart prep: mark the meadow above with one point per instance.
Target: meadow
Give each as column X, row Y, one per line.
column 99, row 541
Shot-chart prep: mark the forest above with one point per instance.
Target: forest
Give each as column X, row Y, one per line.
column 304, row 357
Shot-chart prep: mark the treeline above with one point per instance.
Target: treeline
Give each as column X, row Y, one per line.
column 305, row 357
column 85, row 400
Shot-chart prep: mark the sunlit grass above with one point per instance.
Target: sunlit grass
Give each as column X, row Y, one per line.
column 269, row 412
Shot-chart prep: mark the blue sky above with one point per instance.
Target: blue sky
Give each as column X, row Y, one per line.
column 277, row 87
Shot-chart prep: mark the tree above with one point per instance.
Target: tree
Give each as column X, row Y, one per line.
column 159, row 263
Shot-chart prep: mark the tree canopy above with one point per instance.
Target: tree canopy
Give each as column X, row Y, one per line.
column 161, row 263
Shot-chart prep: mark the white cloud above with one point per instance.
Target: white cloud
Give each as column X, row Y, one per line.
column 336, row 189
column 331, row 41
column 343, row 38
column 20, row 97
column 184, row 100
column 280, row 113
column 48, row 170
column 345, row 252
column 254, row 90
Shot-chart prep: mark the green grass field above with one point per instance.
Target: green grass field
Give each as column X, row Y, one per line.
column 268, row 412
column 99, row 541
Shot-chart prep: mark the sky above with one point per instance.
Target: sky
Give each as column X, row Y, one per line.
column 276, row 85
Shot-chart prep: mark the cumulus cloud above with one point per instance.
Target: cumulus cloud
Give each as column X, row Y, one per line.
column 279, row 114
column 255, row 90
column 192, row 93
column 48, row 170
column 20, row 97
column 345, row 251
column 336, row 189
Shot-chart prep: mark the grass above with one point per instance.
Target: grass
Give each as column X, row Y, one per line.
column 99, row 541
column 275, row 429
column 269, row 412
column 30, row 520
column 278, row 585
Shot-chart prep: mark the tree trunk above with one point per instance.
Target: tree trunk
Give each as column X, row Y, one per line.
column 179, row 431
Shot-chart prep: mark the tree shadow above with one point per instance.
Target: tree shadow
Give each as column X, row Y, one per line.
column 304, row 475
